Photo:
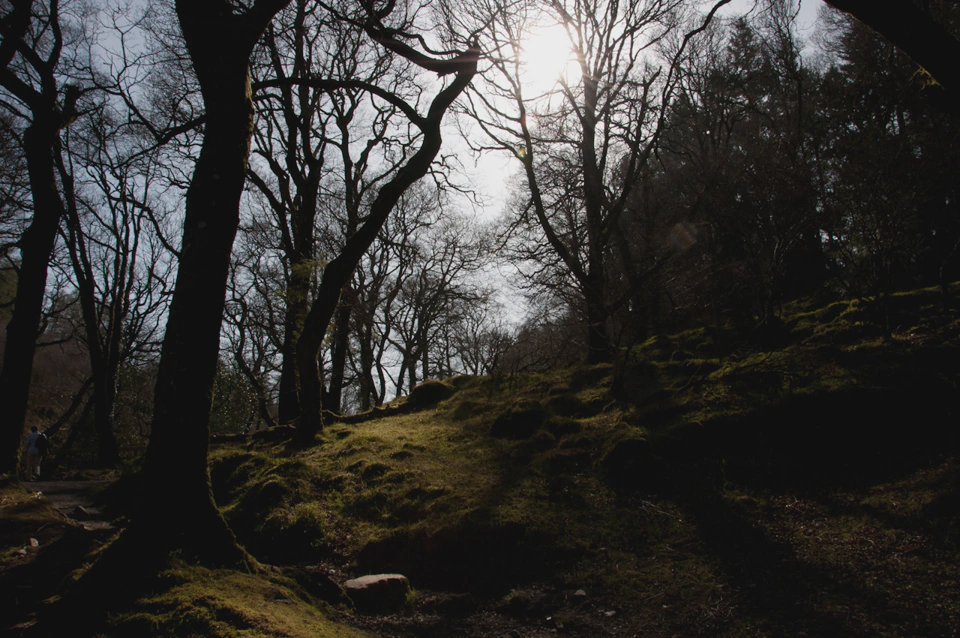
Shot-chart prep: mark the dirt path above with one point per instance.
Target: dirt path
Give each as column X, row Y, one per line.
column 74, row 500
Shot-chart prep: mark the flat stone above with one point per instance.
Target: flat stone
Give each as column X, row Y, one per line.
column 378, row 592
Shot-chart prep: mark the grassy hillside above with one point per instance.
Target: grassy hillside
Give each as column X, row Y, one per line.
column 799, row 480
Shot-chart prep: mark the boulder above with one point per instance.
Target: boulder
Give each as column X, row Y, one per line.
column 428, row 394
column 378, row 592
column 519, row 422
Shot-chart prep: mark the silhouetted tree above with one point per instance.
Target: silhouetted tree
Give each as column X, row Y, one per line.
column 913, row 28
column 735, row 185
column 889, row 175
column 584, row 144
column 394, row 32
column 219, row 37
column 32, row 78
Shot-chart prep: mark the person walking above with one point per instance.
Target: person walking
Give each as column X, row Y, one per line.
column 33, row 454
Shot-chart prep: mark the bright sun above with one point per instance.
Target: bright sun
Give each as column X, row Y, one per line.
column 547, row 56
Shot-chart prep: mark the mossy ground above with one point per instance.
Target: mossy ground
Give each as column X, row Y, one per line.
column 675, row 488
column 800, row 481
column 194, row 601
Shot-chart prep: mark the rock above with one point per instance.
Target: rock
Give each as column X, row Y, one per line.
column 473, row 555
column 521, row 421
column 428, row 394
column 378, row 592
column 580, row 593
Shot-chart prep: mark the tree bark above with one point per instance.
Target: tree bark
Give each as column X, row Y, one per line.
column 333, row 401
column 298, row 304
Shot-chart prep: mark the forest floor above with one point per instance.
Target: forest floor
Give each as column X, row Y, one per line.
column 800, row 482
column 75, row 500
column 850, row 562
column 47, row 531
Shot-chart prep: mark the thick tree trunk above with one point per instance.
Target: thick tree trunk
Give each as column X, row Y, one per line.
column 288, row 393
column 176, row 477
column 366, row 367
column 105, row 394
column 176, row 461
column 599, row 348
column 36, row 247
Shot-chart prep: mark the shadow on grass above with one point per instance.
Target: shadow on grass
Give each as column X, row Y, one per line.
column 811, row 447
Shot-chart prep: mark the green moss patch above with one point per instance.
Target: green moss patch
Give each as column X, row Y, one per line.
column 227, row 604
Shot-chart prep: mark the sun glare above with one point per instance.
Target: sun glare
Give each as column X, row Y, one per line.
column 547, row 57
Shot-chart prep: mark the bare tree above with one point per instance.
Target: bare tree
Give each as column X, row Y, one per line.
column 375, row 292
column 481, row 339
column 119, row 267
column 438, row 288
column 392, row 29
column 323, row 143
column 583, row 144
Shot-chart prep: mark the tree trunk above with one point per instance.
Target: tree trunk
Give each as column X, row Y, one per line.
column 366, row 367
column 333, row 401
column 599, row 349
column 178, row 511
column 598, row 341
column 104, row 396
column 298, row 304
column 36, row 247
